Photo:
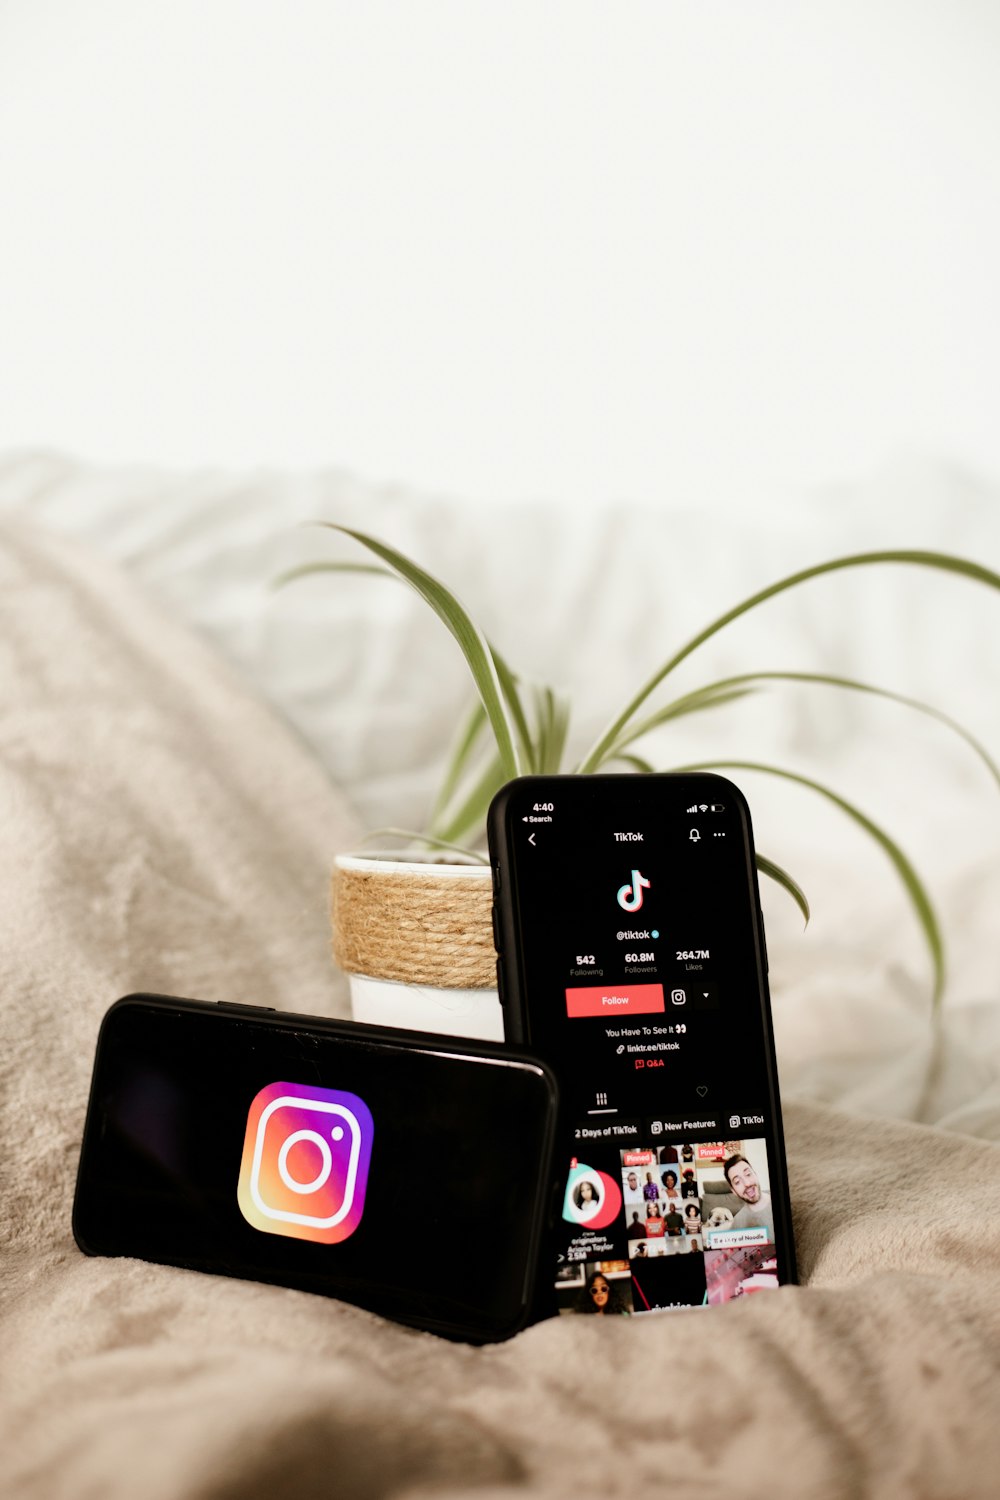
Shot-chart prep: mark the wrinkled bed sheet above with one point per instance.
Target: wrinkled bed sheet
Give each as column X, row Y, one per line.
column 163, row 831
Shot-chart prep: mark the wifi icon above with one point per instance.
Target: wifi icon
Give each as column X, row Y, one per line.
column 703, row 807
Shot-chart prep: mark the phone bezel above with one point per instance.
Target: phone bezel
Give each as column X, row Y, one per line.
column 374, row 1038
column 687, row 786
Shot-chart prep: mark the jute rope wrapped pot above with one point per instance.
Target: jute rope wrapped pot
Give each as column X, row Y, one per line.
column 415, row 938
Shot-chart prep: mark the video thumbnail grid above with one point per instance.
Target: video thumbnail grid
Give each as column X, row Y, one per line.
column 695, row 1226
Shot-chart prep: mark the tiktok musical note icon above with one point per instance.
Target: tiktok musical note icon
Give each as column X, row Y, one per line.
column 630, row 896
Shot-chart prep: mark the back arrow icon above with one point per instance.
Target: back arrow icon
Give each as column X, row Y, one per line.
column 531, row 838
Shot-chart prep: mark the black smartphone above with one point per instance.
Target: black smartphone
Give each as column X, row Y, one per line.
column 632, row 959
column 410, row 1174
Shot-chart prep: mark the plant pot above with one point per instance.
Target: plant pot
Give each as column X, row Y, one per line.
column 415, row 938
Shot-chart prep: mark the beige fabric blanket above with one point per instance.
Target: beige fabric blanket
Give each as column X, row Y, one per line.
column 161, row 831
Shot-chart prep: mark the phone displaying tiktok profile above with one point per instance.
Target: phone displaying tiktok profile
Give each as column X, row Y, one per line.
column 631, row 958
column 410, row 1174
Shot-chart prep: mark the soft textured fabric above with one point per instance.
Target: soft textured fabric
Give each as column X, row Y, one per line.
column 162, row 831
column 593, row 600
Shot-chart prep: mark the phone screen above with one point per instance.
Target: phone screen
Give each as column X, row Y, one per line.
column 408, row 1178
column 639, row 975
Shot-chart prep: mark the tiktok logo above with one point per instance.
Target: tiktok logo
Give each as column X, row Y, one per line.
column 630, row 896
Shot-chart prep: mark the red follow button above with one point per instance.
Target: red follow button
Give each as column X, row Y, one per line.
column 616, row 1000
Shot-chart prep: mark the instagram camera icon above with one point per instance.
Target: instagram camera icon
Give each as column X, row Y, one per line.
column 305, row 1162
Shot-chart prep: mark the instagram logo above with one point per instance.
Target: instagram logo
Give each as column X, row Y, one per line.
column 630, row 896
column 305, row 1162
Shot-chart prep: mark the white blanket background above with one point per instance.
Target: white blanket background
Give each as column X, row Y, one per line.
column 163, row 831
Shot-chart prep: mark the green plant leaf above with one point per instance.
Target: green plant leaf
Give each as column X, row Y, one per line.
column 468, row 738
column 912, row 883
column 552, row 719
column 692, row 703
column 508, row 682
column 505, row 677
column 472, row 643
column 540, row 713
column 424, row 838
column 637, row 763
column 852, row 685
column 939, row 560
column 472, row 811
column 775, row 872
column 306, row 570
column 561, row 714
column 508, row 686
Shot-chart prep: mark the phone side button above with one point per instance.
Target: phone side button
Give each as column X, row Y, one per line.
column 496, row 931
column 500, row 981
column 496, row 879
column 235, row 1005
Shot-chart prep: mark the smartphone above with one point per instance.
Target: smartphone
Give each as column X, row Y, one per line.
column 409, row 1174
column 631, row 958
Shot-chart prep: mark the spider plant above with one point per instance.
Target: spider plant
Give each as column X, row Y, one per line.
column 515, row 728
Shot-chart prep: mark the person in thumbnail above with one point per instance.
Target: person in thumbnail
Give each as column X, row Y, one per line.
column 637, row 1229
column 756, row 1210
column 633, row 1192
column 600, row 1297
column 650, row 1190
column 586, row 1199
column 669, row 1180
column 692, row 1219
column 689, row 1187
column 653, row 1211
column 674, row 1222
column 687, row 1153
column 641, row 1249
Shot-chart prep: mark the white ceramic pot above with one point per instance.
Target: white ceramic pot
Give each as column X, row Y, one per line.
column 415, row 938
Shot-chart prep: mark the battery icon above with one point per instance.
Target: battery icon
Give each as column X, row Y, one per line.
column 717, row 807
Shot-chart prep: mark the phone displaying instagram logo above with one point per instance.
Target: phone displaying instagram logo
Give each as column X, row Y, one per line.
column 305, row 1162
